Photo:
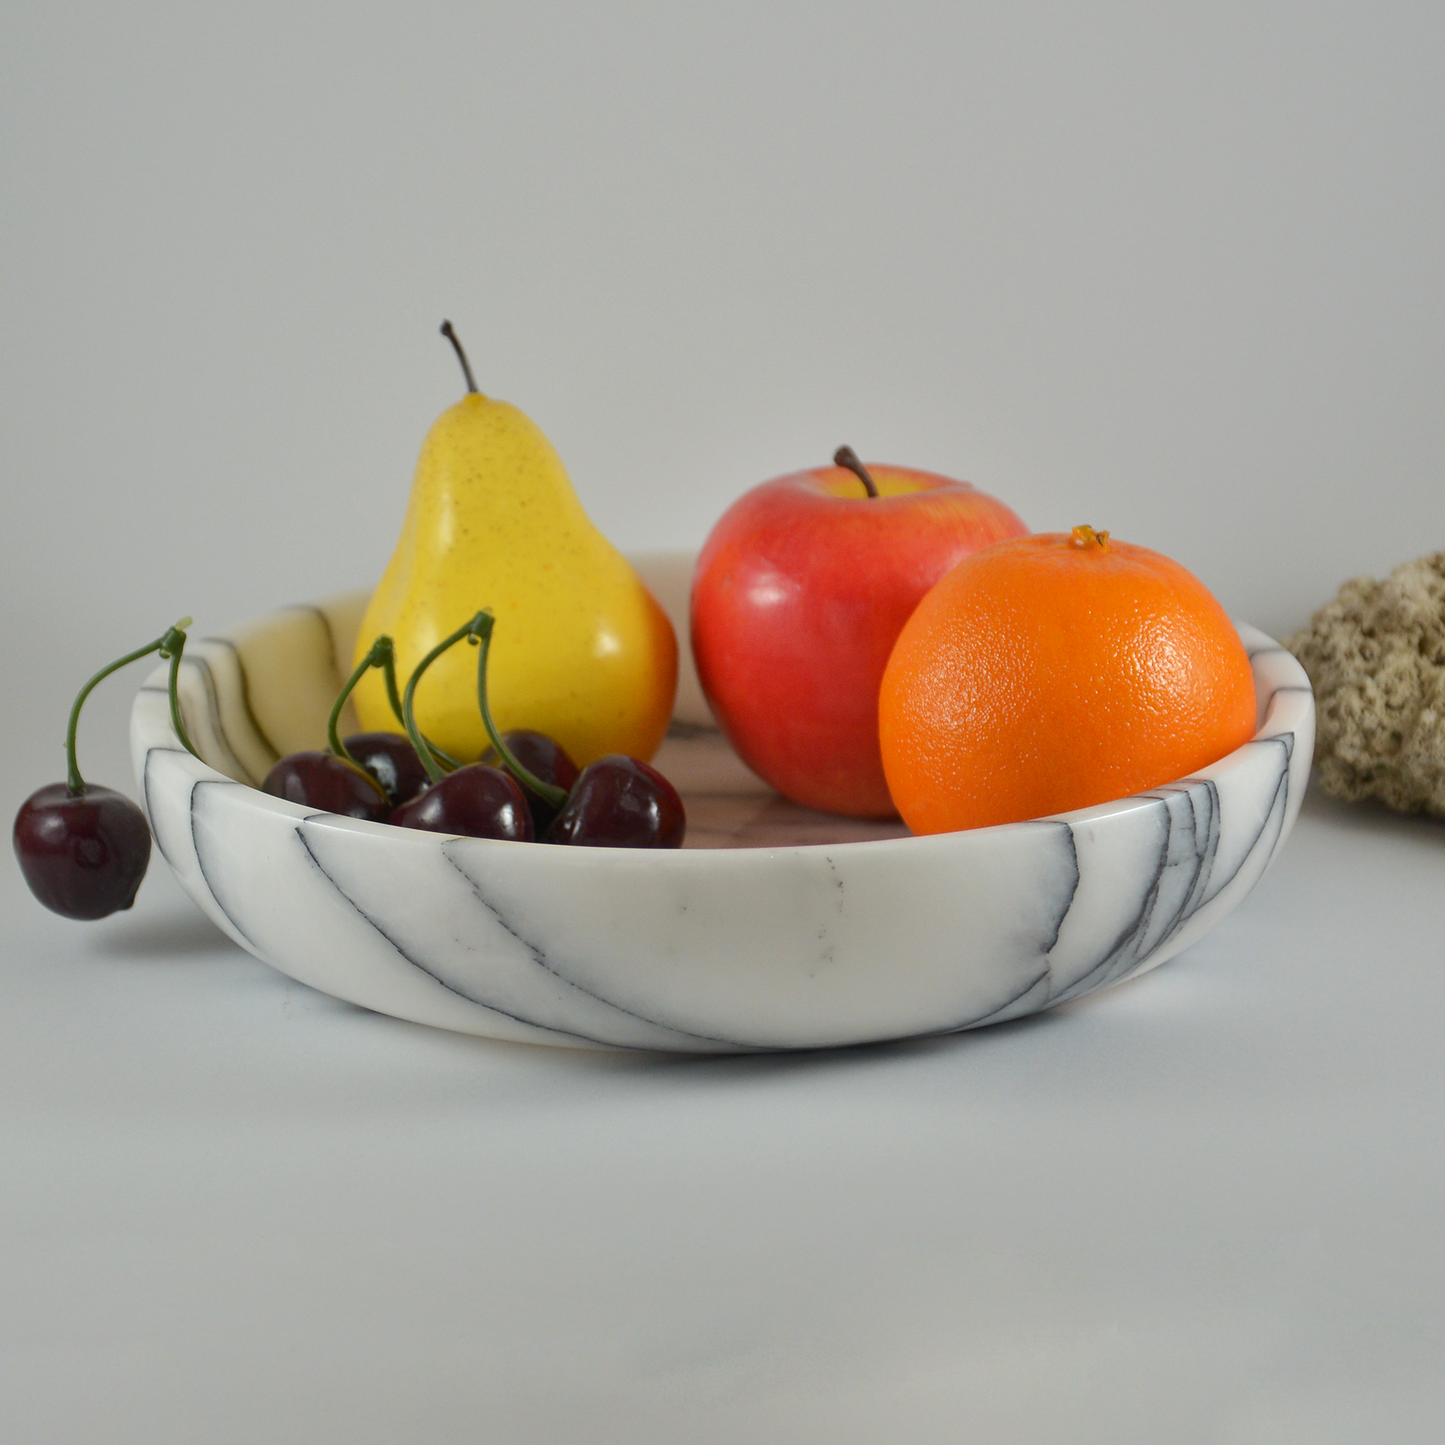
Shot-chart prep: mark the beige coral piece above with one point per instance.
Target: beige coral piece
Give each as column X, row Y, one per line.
column 1376, row 658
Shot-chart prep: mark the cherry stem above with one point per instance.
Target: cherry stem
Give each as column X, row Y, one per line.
column 170, row 644
column 847, row 457
column 173, row 644
column 378, row 655
column 382, row 654
column 388, row 671
column 451, row 336
column 434, row 770
column 550, row 793
column 479, row 633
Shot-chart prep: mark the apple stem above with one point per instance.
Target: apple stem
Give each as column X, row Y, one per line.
column 451, row 336
column 847, row 457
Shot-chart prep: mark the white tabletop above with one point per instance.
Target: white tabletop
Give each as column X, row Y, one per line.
column 1204, row 1205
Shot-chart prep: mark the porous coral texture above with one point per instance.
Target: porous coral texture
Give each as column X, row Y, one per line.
column 1376, row 657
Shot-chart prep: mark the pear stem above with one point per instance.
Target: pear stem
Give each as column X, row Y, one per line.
column 451, row 335
column 847, row 457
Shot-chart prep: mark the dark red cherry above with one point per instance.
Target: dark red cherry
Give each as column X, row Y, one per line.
column 545, row 758
column 392, row 761
column 329, row 784
column 83, row 854
column 620, row 802
column 475, row 801
column 84, row 850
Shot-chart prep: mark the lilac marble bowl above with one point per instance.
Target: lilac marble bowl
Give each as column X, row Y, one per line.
column 773, row 929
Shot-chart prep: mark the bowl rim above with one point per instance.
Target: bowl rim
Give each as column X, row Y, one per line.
column 1288, row 707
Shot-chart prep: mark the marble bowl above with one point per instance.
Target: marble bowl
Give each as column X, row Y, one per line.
column 773, row 929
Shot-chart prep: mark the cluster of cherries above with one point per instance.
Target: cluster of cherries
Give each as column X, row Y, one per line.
column 525, row 789
column 84, row 849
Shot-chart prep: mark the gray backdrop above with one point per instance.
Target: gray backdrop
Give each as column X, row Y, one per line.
column 1174, row 271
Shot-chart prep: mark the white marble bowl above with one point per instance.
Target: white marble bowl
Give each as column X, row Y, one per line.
column 773, row 929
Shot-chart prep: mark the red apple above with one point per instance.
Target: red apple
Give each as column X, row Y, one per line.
column 800, row 591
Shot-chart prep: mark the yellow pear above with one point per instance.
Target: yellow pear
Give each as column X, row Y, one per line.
column 581, row 652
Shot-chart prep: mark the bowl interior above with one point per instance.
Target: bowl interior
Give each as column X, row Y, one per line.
column 270, row 685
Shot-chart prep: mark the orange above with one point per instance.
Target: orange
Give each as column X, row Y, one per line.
column 1053, row 672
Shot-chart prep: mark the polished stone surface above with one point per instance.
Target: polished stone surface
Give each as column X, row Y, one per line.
column 768, row 932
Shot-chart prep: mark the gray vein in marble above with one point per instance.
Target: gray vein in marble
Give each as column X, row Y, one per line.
column 199, row 666
column 793, row 948
column 145, row 793
column 415, row 962
column 1065, row 834
column 245, row 688
column 540, row 959
column 320, row 614
column 205, row 873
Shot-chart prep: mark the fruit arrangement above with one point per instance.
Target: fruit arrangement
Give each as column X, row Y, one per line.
column 410, row 782
column 800, row 591
column 873, row 640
